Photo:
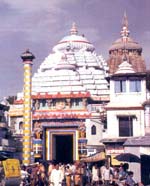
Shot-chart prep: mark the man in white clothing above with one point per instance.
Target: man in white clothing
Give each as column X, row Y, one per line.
column 106, row 176
column 56, row 176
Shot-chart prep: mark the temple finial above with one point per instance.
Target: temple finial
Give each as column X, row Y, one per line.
column 73, row 30
column 125, row 20
column 125, row 32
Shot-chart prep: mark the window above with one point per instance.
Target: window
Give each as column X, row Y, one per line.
column 93, row 130
column 135, row 85
column 53, row 103
column 120, row 86
column 125, row 126
column 105, row 123
column 43, row 102
column 76, row 103
column 20, row 125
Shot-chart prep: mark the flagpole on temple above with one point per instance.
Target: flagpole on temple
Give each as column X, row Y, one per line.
column 27, row 58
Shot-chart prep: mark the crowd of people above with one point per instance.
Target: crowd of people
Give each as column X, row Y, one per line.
column 76, row 174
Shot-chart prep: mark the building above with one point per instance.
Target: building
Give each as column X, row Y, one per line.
column 69, row 91
column 7, row 143
column 128, row 110
column 82, row 105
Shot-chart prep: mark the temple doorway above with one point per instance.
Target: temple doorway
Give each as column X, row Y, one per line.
column 63, row 148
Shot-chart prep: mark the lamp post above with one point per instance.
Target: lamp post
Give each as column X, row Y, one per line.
column 27, row 58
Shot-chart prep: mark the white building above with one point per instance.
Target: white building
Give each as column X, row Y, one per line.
column 126, row 111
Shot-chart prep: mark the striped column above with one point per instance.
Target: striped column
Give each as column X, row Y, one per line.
column 27, row 58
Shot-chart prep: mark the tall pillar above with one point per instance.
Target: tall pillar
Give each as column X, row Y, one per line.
column 27, row 58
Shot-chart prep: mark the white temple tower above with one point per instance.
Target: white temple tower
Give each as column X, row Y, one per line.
column 69, row 91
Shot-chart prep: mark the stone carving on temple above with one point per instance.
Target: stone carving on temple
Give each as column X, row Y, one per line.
column 82, row 130
column 36, row 104
column 68, row 104
column 37, row 130
column 60, row 105
column 84, row 102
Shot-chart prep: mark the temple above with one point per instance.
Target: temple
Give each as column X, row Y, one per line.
column 85, row 108
column 69, row 92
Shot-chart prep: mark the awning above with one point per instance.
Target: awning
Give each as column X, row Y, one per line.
column 94, row 158
column 115, row 162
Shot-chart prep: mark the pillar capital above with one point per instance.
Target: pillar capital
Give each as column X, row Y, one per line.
column 27, row 56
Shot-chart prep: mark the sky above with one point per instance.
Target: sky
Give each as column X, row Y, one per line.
column 38, row 25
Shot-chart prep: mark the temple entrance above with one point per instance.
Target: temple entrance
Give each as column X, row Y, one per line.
column 64, row 148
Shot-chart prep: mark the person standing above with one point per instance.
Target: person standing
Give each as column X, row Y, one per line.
column 95, row 175
column 24, row 175
column 78, row 174
column 106, row 175
column 129, row 180
column 68, row 175
column 56, row 176
column 62, row 170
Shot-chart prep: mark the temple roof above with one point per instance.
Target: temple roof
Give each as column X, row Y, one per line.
column 125, row 42
column 73, row 41
column 125, row 45
column 125, row 68
column 130, row 45
column 138, row 141
column 137, row 63
column 72, row 68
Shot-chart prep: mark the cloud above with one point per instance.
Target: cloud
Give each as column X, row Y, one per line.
column 38, row 19
column 36, row 5
column 28, row 6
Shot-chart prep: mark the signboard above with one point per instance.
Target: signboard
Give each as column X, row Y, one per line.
column 114, row 151
column 12, row 168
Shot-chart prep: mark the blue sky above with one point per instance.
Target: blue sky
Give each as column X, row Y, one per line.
column 40, row 24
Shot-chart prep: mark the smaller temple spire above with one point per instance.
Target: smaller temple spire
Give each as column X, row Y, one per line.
column 125, row 32
column 73, row 30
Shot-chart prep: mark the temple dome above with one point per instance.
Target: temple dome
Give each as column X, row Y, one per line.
column 125, row 42
column 126, row 46
column 73, row 41
column 130, row 45
column 72, row 67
